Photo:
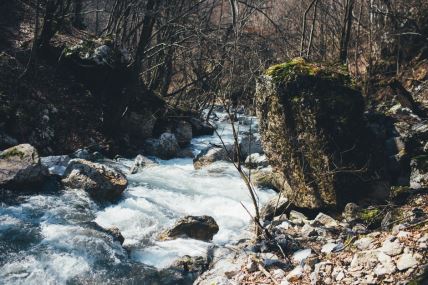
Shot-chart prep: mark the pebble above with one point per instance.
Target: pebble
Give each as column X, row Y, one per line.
column 295, row 274
column 301, row 255
column 308, row 231
column 297, row 217
column 326, row 221
column 329, row 247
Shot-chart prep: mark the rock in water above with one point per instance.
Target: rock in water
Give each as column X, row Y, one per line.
column 183, row 132
column 100, row 181
column 166, row 147
column 250, row 144
column 196, row 227
column 212, row 154
column 311, row 125
column 20, row 167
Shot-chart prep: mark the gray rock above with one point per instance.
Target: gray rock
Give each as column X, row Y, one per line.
column 351, row 212
column 187, row 263
column 100, row 181
column 297, row 217
column 166, row 147
column 56, row 164
column 20, row 167
column 275, row 207
column 256, row 160
column 329, row 247
column 83, row 154
column 250, row 144
column 385, row 266
column 140, row 162
column 196, row 227
column 183, row 132
column 419, row 172
column 116, row 234
column 308, row 231
column 325, row 220
column 212, row 154
column 392, row 248
column 406, row 261
column 364, row 243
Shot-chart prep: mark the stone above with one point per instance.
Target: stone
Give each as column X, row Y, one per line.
column 56, row 164
column 256, row 160
column 351, row 212
column 406, row 261
column 275, row 207
column 251, row 265
column 419, row 172
column 101, row 182
column 197, row 227
column 308, row 231
column 200, row 128
column 265, row 178
column 116, row 234
column 364, row 243
column 329, row 247
column 297, row 217
column 392, row 247
column 296, row 102
column 250, row 144
column 212, row 154
column 21, row 167
column 301, row 255
column 166, row 147
column 189, row 263
column 386, row 265
column 326, row 221
column 183, row 132
column 140, row 162
column 295, row 274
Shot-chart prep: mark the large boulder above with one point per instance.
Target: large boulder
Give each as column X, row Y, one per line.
column 196, row 227
column 101, row 182
column 212, row 154
column 313, row 132
column 20, row 167
column 200, row 128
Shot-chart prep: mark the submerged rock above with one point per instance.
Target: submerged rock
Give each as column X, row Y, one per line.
column 20, row 167
column 100, row 181
column 311, row 122
column 196, row 227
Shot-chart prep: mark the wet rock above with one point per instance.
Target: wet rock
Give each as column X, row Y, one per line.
column 406, row 261
column 196, row 227
column 20, row 167
column 200, row 128
column 140, row 163
column 256, row 160
column 183, row 132
column 250, row 144
column 296, row 102
column 325, row 220
column 56, row 164
column 275, row 207
column 100, row 181
column 116, row 234
column 191, row 264
column 166, row 147
column 212, row 154
column 419, row 172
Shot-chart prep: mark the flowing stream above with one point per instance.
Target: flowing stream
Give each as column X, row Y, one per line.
column 56, row 238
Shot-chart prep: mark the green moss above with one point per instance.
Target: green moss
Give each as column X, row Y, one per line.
column 12, row 152
column 369, row 215
column 300, row 67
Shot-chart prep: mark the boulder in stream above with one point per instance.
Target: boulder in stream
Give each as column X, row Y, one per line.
column 313, row 133
column 20, row 167
column 100, row 181
column 196, row 227
column 166, row 147
column 212, row 154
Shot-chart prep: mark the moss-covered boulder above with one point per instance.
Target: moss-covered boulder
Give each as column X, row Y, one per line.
column 313, row 132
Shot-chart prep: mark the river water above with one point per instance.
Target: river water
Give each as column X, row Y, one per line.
column 55, row 238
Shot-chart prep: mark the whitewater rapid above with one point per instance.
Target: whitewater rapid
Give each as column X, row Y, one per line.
column 55, row 238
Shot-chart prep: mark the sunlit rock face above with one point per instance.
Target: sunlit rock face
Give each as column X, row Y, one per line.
column 313, row 133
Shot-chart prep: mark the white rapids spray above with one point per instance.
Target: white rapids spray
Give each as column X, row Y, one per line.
column 56, row 238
